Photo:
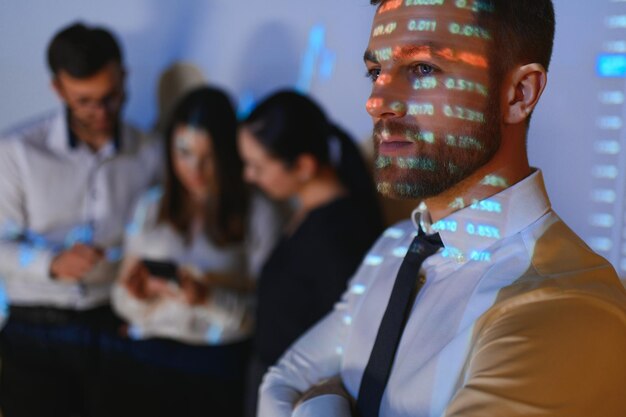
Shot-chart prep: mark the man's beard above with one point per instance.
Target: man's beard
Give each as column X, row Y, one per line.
column 427, row 174
column 87, row 125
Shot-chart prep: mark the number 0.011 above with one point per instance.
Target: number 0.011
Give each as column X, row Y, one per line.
column 422, row 25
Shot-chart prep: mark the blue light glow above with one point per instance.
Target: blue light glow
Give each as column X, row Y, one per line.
column 214, row 334
column 114, row 254
column 400, row 251
column 135, row 332
column 317, row 58
column 358, row 289
column 246, row 104
column 4, row 301
column 79, row 234
column 373, row 260
column 611, row 65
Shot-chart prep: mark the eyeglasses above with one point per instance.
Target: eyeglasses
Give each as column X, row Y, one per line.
column 110, row 102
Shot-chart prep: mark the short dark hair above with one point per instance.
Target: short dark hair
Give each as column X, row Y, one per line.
column 210, row 110
column 523, row 31
column 82, row 51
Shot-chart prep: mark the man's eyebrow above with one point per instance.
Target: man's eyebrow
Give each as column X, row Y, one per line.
column 370, row 56
column 413, row 50
column 407, row 51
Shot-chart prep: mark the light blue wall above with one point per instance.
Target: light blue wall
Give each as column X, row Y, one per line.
column 246, row 46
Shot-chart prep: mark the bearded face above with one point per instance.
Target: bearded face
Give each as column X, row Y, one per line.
column 435, row 111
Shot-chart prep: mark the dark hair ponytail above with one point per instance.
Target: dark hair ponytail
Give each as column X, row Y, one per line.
column 351, row 169
column 288, row 124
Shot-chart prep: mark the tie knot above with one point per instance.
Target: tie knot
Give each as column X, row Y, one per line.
column 424, row 245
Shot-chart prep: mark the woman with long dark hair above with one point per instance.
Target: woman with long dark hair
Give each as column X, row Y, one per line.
column 292, row 152
column 191, row 253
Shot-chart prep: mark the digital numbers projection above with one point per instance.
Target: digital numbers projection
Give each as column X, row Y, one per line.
column 608, row 218
column 430, row 69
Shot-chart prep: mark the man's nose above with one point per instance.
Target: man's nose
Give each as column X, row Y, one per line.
column 387, row 99
column 386, row 107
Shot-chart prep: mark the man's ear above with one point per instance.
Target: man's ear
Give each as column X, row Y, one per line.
column 305, row 167
column 522, row 91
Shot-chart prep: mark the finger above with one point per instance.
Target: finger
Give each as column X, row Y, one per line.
column 88, row 253
column 71, row 273
column 139, row 271
column 100, row 251
column 182, row 274
column 81, row 266
column 184, row 280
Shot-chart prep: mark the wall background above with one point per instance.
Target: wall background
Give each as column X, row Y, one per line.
column 252, row 47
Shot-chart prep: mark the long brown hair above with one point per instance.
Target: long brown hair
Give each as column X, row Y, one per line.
column 225, row 213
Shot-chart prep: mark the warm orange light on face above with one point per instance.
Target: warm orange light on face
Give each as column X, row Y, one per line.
column 389, row 5
column 429, row 60
column 474, row 60
column 373, row 103
column 383, row 79
column 413, row 52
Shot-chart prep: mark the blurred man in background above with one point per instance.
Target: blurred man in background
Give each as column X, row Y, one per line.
column 67, row 184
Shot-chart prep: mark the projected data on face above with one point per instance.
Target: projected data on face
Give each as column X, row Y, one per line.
column 430, row 96
column 608, row 219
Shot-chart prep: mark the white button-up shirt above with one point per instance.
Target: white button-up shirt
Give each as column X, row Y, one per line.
column 225, row 316
column 53, row 195
column 517, row 317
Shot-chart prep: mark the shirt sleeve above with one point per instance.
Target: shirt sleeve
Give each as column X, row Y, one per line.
column 316, row 356
column 559, row 358
column 21, row 255
column 330, row 405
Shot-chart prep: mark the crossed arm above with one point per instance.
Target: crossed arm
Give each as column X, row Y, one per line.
column 563, row 357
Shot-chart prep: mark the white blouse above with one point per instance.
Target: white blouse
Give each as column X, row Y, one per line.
column 225, row 316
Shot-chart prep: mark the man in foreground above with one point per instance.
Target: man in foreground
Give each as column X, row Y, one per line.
column 495, row 308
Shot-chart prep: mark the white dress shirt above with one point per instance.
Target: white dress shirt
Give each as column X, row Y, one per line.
column 54, row 193
column 517, row 317
column 225, row 316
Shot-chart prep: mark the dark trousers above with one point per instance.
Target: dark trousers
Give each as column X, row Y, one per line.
column 255, row 373
column 159, row 377
column 50, row 361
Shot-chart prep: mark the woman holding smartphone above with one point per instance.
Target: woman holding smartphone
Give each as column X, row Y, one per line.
column 192, row 251
column 292, row 152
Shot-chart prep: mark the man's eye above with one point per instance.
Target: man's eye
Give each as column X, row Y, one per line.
column 424, row 70
column 373, row 74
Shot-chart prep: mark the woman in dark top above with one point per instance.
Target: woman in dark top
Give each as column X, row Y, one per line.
column 292, row 152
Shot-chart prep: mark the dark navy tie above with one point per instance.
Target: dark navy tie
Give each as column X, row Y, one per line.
column 383, row 353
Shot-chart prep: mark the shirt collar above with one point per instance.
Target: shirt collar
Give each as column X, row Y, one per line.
column 73, row 142
column 468, row 232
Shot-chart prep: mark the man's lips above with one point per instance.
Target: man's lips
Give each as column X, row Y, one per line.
column 394, row 145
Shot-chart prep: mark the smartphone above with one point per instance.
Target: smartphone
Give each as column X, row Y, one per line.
column 163, row 269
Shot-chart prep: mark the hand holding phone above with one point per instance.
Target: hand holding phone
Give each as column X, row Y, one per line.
column 167, row 270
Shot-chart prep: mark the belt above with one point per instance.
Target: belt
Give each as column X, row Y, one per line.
column 55, row 316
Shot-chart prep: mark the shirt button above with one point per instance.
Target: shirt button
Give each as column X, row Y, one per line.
column 459, row 258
